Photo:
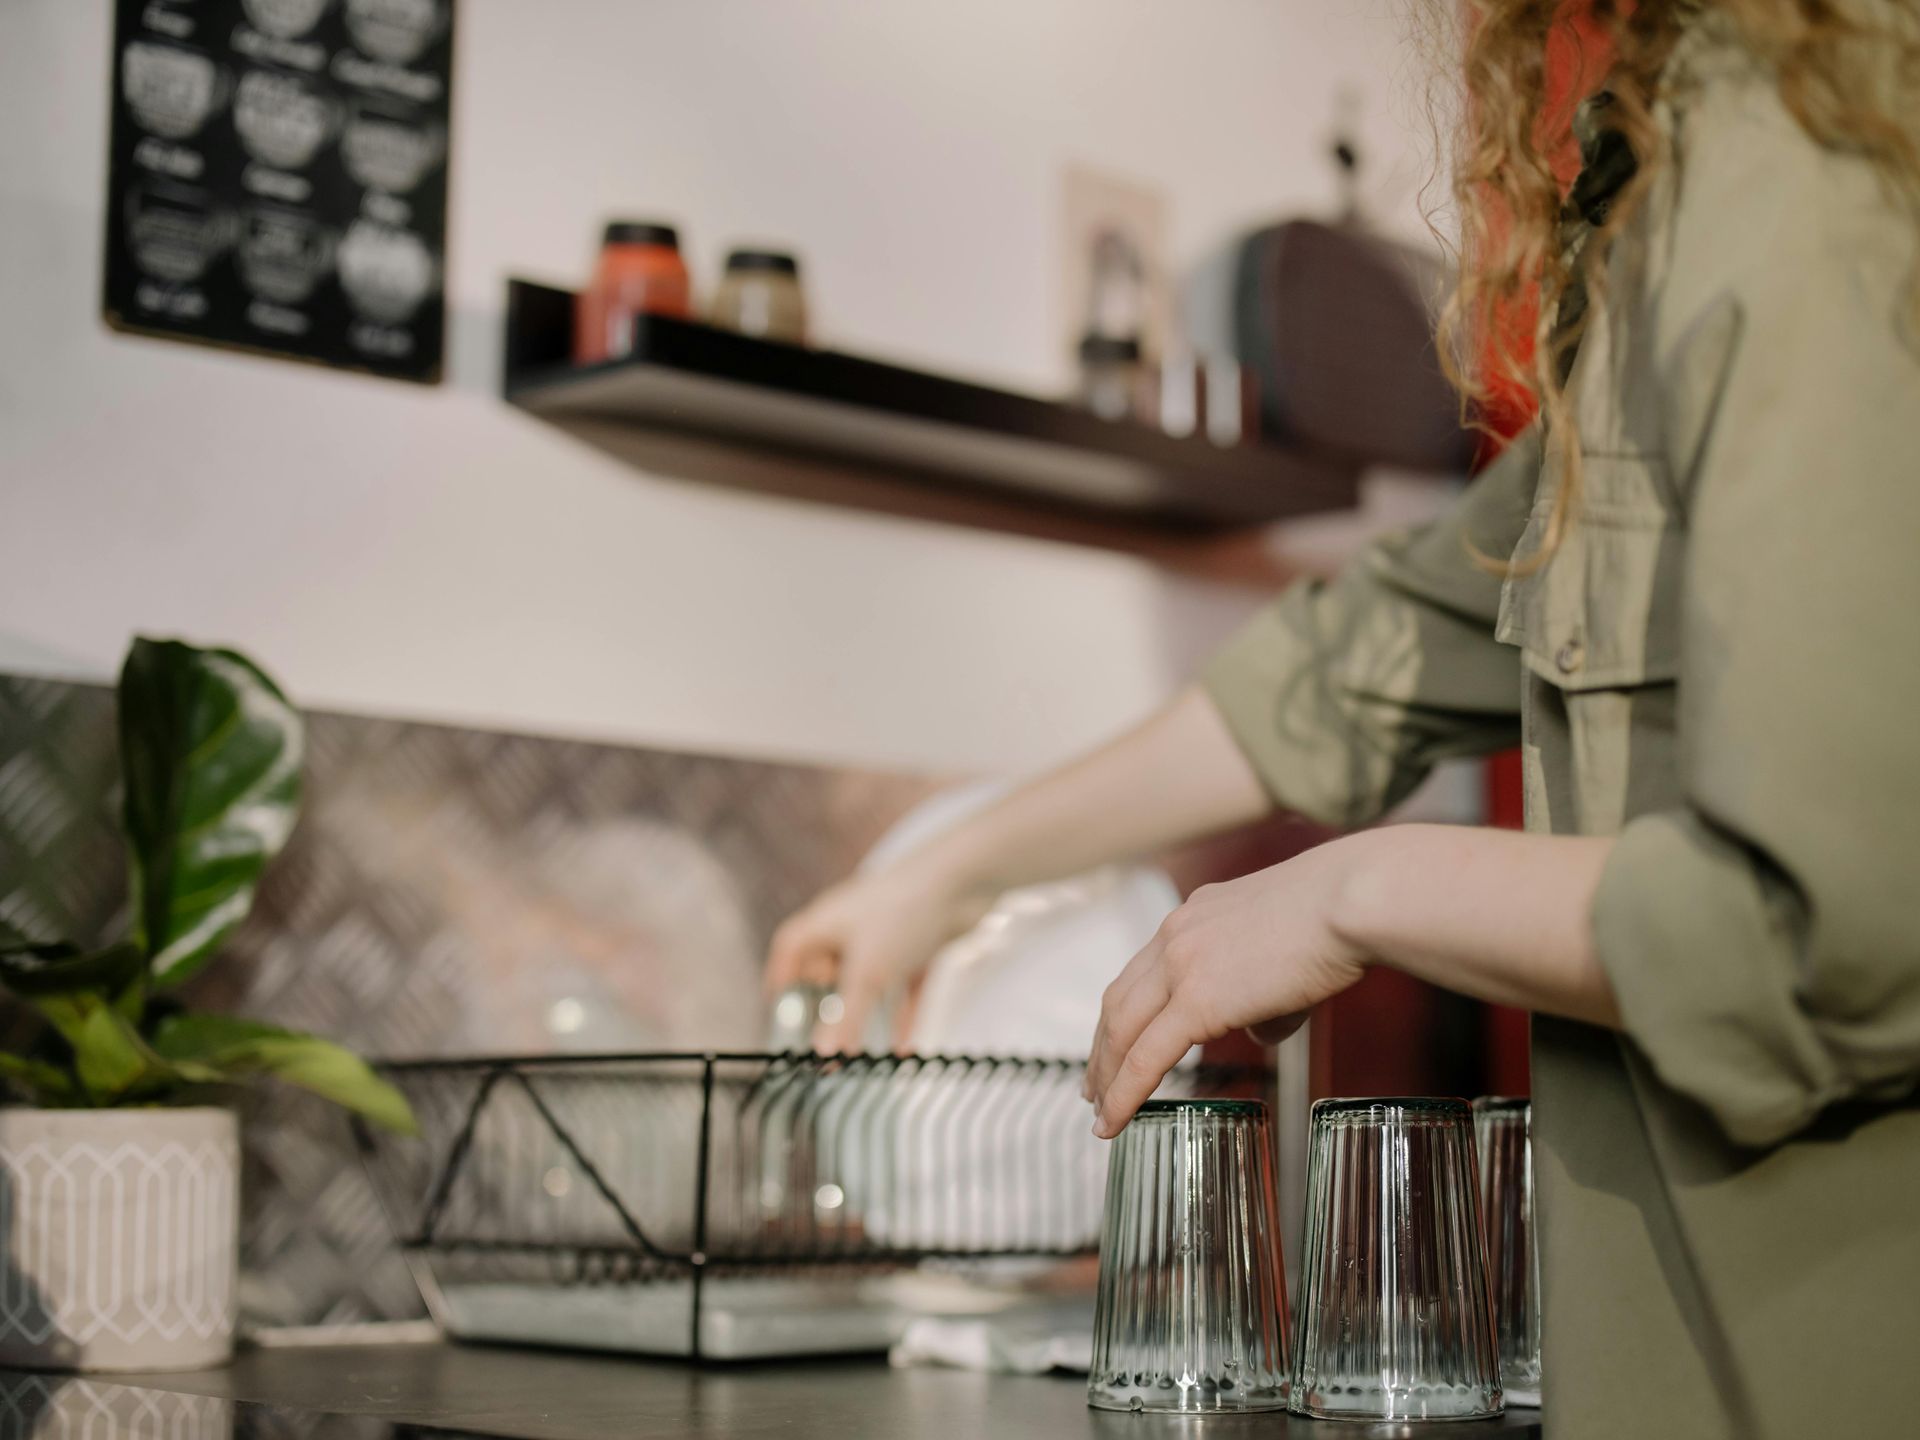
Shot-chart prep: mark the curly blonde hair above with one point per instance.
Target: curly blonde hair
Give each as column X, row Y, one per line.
column 1847, row 70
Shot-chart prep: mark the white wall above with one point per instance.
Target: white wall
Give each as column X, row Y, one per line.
column 433, row 554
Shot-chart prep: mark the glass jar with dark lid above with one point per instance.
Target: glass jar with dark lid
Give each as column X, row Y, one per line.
column 640, row 272
column 648, row 233
column 760, row 295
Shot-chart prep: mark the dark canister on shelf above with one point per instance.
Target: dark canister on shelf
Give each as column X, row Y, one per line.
column 760, row 295
column 639, row 272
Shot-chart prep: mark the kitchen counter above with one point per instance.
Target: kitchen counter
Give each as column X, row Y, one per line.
column 439, row 1392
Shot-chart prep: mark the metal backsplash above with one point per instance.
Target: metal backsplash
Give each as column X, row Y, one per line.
column 447, row 891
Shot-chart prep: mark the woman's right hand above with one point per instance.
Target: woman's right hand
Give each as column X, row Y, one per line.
column 1176, row 776
column 867, row 936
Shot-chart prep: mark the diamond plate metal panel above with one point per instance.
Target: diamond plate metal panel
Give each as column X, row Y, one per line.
column 448, row 890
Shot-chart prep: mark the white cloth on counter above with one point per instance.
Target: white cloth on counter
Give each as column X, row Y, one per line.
column 1027, row 1340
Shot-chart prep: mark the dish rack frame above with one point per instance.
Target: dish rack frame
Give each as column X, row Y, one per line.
column 727, row 1084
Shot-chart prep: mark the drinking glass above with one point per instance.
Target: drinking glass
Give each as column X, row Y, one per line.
column 1192, row 1313
column 1395, row 1322
column 1503, row 1131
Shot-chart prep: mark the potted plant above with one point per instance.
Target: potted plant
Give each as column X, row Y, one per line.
column 119, row 1175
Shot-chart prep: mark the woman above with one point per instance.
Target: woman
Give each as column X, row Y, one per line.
column 1704, row 642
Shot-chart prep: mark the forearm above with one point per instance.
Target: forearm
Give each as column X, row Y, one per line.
column 1494, row 914
column 1175, row 777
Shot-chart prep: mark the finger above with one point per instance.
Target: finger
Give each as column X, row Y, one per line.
column 1123, row 983
column 906, row 1011
column 1143, row 959
column 1117, row 1007
column 858, row 995
column 1161, row 1046
column 784, row 956
column 1121, row 1025
column 1110, row 1000
column 807, row 955
column 1277, row 1029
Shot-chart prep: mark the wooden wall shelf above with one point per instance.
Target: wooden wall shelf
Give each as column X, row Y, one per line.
column 711, row 405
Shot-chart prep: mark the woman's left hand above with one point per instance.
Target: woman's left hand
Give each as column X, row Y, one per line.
column 1256, row 953
column 1493, row 914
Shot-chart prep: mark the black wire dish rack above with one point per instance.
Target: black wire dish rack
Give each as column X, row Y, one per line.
column 730, row 1206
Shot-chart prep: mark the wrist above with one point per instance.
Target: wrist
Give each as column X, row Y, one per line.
column 1366, row 901
column 946, row 873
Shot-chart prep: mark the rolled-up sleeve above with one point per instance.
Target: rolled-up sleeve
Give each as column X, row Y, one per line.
column 1344, row 693
column 1763, row 938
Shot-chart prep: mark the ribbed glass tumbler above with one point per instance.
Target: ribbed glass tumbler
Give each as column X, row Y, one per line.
column 1503, row 1134
column 1192, row 1313
column 1394, row 1320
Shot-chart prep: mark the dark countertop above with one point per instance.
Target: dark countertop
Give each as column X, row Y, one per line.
column 537, row 1395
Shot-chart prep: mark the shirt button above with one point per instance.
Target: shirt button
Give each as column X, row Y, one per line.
column 1569, row 656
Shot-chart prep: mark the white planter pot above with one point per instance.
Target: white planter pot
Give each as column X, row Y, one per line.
column 121, row 1230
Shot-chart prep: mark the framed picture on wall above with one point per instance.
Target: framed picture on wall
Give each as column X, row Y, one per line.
column 277, row 180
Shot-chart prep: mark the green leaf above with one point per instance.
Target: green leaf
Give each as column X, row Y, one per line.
column 15, row 946
column 12, row 938
column 338, row 1075
column 113, row 1062
column 132, row 1001
column 210, row 752
column 43, row 1084
column 60, row 969
column 67, row 1014
column 238, row 1046
column 210, row 1037
column 108, row 1053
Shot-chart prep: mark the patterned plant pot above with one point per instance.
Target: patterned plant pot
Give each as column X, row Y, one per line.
column 121, row 1231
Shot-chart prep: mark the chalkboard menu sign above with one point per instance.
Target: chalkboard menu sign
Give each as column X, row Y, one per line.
column 278, row 179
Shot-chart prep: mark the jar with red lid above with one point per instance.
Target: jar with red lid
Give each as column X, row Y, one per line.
column 640, row 272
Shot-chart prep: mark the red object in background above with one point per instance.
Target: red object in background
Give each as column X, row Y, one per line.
column 640, row 272
column 1579, row 51
column 1389, row 1035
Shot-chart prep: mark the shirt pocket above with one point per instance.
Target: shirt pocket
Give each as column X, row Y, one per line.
column 1603, row 612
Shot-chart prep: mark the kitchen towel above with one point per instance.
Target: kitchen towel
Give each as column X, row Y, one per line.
column 1026, row 1341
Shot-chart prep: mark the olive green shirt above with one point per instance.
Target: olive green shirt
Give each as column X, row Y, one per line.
column 1721, row 666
